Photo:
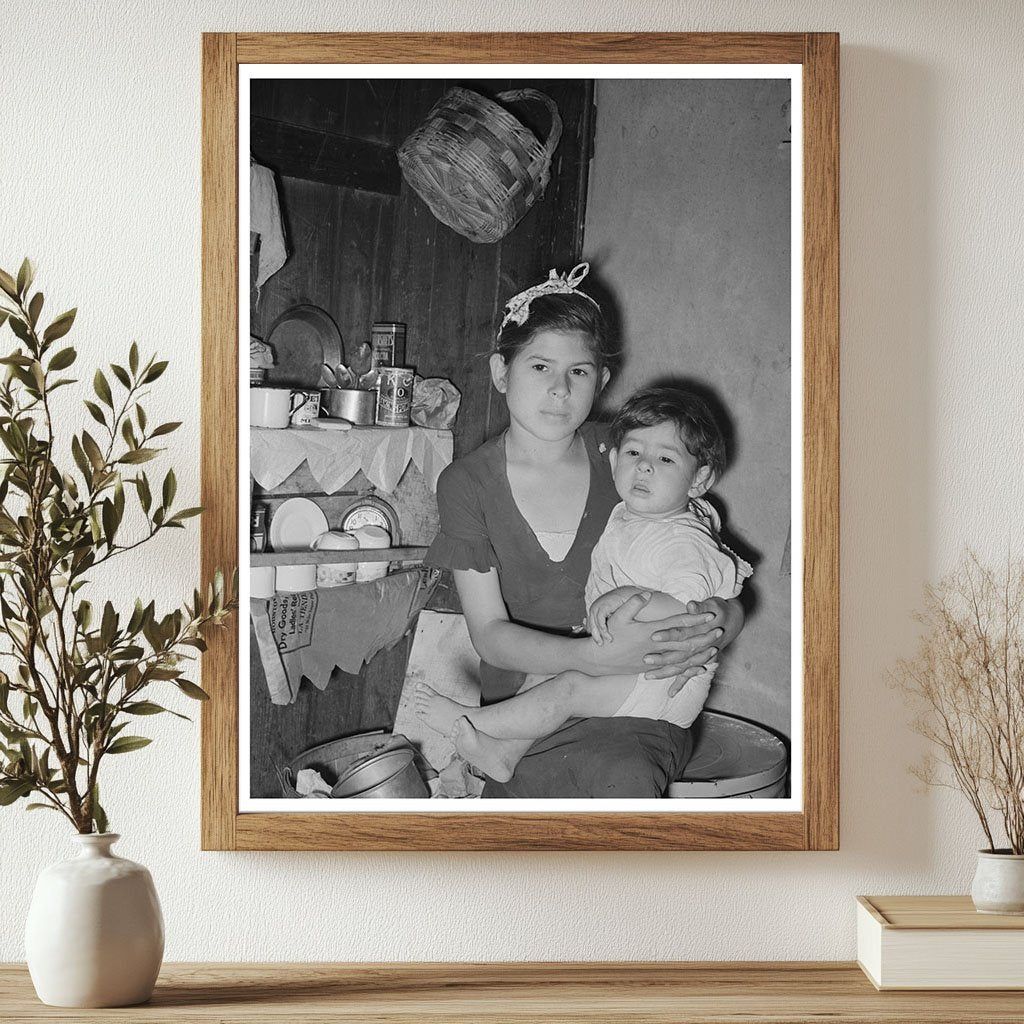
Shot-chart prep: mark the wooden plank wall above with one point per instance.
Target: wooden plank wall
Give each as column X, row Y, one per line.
column 365, row 256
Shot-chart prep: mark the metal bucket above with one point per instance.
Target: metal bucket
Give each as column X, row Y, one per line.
column 334, row 759
column 389, row 775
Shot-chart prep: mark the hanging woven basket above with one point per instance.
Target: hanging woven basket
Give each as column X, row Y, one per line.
column 476, row 166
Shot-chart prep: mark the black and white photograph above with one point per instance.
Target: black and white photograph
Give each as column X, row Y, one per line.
column 524, row 496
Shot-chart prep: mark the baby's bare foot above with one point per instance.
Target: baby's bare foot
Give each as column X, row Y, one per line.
column 438, row 711
column 494, row 757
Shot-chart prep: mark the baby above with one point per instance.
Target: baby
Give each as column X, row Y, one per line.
column 662, row 540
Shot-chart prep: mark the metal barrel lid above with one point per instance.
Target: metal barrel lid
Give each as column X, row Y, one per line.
column 731, row 757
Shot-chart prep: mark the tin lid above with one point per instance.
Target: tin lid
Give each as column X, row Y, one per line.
column 732, row 756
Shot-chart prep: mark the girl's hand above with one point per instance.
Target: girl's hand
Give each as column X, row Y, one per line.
column 689, row 641
column 603, row 608
column 628, row 640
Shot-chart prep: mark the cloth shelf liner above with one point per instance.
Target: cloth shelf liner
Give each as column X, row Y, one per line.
column 334, row 457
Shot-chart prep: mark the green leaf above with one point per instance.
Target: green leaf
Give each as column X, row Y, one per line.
column 132, row 458
column 102, row 388
column 4, row 314
column 121, row 374
column 109, row 517
column 143, row 707
column 191, row 690
column 154, row 371
column 185, row 513
column 34, row 308
column 128, row 433
column 60, row 326
column 99, row 817
column 165, row 428
column 81, row 461
column 168, row 674
column 20, row 328
column 83, row 613
column 129, row 653
column 14, row 790
column 92, row 449
column 8, row 284
column 136, row 620
column 41, row 807
column 95, row 412
column 126, row 744
column 63, row 359
column 145, row 498
column 108, row 626
column 140, row 415
column 133, row 358
column 16, row 358
column 12, row 733
column 170, row 488
column 26, row 273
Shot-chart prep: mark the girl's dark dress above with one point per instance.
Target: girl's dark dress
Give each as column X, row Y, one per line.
column 482, row 528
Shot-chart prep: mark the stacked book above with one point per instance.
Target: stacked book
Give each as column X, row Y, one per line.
column 938, row 942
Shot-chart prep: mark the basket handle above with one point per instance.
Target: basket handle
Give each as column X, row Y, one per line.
column 555, row 132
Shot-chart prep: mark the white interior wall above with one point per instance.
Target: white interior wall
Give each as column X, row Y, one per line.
column 688, row 222
column 100, row 175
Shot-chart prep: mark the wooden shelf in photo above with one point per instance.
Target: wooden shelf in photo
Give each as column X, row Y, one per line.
column 336, row 557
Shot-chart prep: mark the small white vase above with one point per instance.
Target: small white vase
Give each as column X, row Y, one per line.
column 999, row 882
column 95, row 933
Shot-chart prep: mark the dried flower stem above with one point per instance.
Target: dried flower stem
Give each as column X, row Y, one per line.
column 967, row 680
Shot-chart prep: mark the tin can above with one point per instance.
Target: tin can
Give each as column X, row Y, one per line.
column 387, row 344
column 258, row 528
column 394, row 396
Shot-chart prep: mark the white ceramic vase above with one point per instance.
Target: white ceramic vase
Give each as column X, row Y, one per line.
column 95, row 933
column 999, row 883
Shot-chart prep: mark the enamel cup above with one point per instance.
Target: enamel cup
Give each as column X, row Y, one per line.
column 308, row 409
column 273, row 407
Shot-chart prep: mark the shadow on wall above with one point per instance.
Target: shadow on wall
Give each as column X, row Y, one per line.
column 888, row 294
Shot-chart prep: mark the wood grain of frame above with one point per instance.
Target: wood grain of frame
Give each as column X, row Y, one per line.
column 817, row 826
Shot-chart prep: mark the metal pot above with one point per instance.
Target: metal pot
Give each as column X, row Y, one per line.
column 384, row 776
column 356, row 406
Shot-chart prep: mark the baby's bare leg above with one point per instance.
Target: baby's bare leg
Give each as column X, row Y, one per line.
column 540, row 710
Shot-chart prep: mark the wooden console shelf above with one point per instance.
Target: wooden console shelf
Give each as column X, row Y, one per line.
column 659, row 993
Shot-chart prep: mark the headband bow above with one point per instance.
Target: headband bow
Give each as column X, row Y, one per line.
column 518, row 307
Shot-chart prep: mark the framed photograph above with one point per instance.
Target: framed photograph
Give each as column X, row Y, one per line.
column 520, row 342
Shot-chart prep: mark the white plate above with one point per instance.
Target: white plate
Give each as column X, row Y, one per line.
column 296, row 524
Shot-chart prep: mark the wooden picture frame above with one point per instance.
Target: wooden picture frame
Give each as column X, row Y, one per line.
column 816, row 825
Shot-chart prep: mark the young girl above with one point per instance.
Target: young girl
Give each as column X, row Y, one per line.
column 519, row 519
column 663, row 539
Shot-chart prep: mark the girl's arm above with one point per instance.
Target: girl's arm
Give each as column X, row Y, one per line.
column 508, row 645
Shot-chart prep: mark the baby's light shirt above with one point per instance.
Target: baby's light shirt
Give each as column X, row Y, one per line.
column 680, row 554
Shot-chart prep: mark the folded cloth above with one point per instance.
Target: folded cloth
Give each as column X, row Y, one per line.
column 265, row 218
column 312, row 632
